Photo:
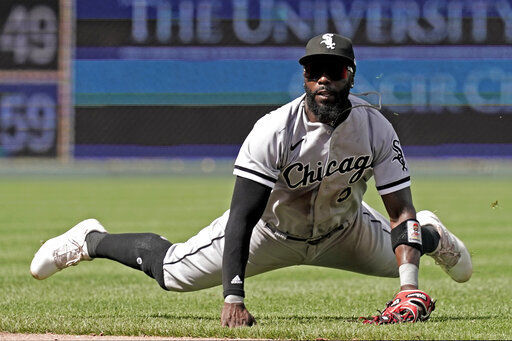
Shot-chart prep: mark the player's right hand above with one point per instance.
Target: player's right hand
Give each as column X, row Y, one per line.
column 236, row 315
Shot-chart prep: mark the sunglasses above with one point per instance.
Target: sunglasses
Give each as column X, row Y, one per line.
column 334, row 71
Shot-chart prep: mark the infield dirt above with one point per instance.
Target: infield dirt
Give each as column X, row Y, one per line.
column 54, row 337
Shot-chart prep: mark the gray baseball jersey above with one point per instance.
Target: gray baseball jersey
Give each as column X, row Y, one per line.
column 318, row 173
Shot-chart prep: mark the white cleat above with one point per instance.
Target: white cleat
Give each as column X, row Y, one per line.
column 451, row 253
column 64, row 250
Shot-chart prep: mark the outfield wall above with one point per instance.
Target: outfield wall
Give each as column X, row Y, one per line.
column 188, row 78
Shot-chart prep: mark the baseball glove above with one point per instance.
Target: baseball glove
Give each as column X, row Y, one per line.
column 406, row 306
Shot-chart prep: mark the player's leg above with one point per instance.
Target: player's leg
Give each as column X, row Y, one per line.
column 197, row 263
column 365, row 247
column 89, row 239
column 192, row 265
column 140, row 251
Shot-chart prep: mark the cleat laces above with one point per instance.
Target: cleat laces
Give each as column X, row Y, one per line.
column 446, row 256
column 68, row 255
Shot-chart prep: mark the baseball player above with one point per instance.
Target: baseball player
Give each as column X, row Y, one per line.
column 300, row 178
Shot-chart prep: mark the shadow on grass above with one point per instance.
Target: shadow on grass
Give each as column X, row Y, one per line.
column 185, row 317
column 295, row 318
column 309, row 319
column 464, row 318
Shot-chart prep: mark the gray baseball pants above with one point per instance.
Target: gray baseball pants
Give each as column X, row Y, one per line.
column 364, row 247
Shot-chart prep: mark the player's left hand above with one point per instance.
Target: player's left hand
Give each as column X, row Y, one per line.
column 406, row 306
column 236, row 315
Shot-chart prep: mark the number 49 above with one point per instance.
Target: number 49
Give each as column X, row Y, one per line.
column 31, row 35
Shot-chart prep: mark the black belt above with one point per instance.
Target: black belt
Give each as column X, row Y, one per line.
column 311, row 241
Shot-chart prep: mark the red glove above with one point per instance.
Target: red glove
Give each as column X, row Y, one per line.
column 406, row 306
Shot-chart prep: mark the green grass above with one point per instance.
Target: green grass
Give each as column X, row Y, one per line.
column 294, row 303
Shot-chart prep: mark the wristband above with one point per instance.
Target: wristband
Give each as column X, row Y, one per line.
column 408, row 274
column 234, row 299
column 407, row 233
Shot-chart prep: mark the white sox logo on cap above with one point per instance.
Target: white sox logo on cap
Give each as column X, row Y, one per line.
column 327, row 40
column 329, row 44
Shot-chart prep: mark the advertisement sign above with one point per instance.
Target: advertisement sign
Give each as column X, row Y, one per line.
column 293, row 22
column 201, row 72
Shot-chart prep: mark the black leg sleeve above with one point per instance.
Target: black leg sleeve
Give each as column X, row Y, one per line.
column 430, row 238
column 141, row 251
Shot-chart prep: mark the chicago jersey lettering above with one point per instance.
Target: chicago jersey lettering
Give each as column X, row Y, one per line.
column 318, row 173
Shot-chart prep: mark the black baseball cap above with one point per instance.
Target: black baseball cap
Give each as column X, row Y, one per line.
column 329, row 44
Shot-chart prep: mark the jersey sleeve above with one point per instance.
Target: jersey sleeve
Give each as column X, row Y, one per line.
column 259, row 156
column 390, row 168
